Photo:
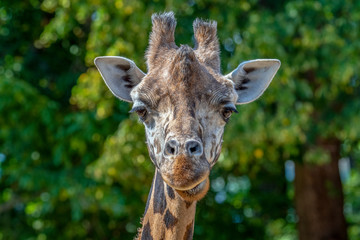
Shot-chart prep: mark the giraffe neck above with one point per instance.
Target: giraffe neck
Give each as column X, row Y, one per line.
column 167, row 215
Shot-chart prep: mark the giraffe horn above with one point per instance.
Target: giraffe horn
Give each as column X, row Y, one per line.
column 207, row 43
column 161, row 36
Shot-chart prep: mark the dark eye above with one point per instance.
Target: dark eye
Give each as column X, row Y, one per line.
column 141, row 112
column 227, row 111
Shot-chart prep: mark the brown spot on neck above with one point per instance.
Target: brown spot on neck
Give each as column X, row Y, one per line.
column 169, row 220
column 146, row 232
column 159, row 201
column 188, row 204
column 189, row 231
column 170, row 192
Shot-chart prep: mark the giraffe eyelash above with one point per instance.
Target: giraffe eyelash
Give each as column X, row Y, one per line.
column 141, row 111
column 227, row 110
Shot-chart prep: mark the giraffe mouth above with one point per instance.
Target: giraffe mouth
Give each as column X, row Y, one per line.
column 196, row 193
column 197, row 188
column 186, row 185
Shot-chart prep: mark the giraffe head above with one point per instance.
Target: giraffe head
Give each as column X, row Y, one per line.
column 184, row 101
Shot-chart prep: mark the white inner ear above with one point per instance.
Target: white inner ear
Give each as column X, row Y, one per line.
column 120, row 74
column 252, row 78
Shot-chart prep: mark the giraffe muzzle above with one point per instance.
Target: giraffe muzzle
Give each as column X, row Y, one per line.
column 184, row 173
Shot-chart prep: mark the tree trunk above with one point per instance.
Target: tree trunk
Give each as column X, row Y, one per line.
column 319, row 198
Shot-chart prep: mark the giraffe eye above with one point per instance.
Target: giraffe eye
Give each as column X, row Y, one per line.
column 227, row 111
column 141, row 112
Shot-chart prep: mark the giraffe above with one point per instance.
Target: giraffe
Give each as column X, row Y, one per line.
column 184, row 103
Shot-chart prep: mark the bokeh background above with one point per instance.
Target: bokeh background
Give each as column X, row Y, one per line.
column 73, row 161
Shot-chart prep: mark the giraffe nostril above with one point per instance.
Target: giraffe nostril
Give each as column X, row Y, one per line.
column 171, row 150
column 171, row 147
column 193, row 148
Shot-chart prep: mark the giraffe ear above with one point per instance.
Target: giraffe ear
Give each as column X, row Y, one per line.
column 251, row 78
column 120, row 74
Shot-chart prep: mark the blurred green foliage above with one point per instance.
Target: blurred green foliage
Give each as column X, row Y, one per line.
column 74, row 165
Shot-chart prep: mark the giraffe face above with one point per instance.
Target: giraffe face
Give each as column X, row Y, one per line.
column 184, row 106
column 184, row 101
